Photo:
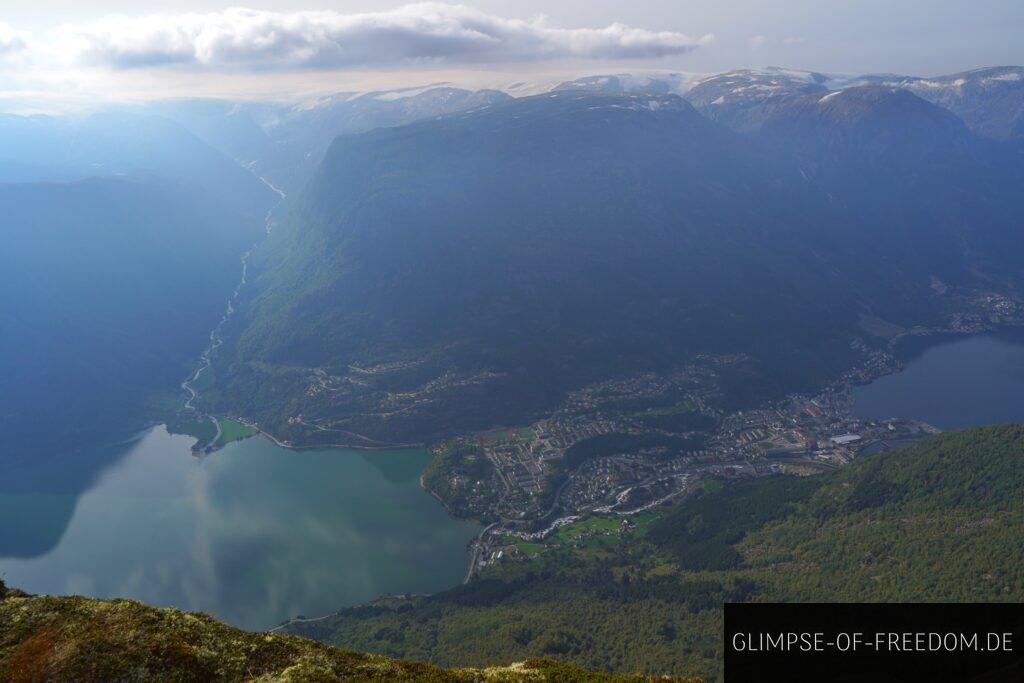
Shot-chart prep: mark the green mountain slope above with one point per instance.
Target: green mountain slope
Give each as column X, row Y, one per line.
column 72, row 638
column 938, row 521
column 110, row 288
column 121, row 236
column 466, row 271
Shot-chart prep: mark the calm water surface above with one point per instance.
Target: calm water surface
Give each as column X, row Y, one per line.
column 255, row 534
column 252, row 534
column 961, row 383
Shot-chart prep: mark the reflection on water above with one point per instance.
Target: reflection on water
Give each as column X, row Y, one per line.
column 963, row 383
column 253, row 534
column 54, row 471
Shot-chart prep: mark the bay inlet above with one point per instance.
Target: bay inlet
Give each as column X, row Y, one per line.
column 254, row 534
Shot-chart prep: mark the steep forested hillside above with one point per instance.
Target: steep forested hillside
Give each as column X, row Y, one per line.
column 939, row 521
column 466, row 271
column 122, row 234
column 110, row 288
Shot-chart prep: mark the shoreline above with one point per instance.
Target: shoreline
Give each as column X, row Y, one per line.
column 259, row 433
column 293, row 447
column 931, row 337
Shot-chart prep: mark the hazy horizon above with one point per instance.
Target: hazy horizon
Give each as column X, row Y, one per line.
column 110, row 51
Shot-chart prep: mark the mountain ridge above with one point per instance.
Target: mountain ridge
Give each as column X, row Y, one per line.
column 550, row 135
column 82, row 639
column 464, row 271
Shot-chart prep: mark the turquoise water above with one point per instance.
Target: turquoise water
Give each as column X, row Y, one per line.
column 252, row 534
column 255, row 534
column 964, row 382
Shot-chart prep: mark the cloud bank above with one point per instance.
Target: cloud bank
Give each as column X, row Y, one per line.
column 11, row 41
column 426, row 33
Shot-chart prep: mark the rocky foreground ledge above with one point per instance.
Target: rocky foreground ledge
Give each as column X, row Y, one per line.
column 46, row 638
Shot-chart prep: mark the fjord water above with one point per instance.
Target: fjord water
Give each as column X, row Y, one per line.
column 963, row 382
column 253, row 534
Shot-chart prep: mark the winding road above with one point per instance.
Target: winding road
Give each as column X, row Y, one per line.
column 216, row 340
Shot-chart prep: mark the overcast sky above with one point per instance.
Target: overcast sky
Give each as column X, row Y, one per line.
column 76, row 51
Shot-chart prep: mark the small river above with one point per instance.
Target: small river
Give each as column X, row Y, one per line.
column 952, row 384
column 253, row 534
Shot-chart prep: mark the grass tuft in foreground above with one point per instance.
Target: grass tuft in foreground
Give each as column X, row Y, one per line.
column 72, row 638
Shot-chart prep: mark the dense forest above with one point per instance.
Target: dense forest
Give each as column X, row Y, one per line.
column 469, row 461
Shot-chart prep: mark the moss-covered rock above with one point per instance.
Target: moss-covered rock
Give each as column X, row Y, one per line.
column 72, row 638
